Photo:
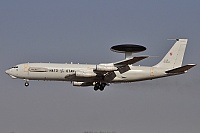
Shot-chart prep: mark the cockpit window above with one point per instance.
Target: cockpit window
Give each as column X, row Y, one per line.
column 15, row 67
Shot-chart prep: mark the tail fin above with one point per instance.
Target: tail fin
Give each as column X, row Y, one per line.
column 174, row 57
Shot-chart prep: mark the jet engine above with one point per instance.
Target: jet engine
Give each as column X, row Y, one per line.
column 82, row 83
column 105, row 68
column 85, row 74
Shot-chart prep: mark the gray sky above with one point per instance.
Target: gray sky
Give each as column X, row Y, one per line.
column 82, row 32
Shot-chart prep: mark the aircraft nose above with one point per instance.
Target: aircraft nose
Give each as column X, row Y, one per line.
column 7, row 71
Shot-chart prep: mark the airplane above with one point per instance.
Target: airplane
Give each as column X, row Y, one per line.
column 101, row 75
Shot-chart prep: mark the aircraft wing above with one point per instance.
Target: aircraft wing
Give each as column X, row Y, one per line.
column 129, row 61
column 181, row 69
column 123, row 65
column 107, row 70
column 103, row 68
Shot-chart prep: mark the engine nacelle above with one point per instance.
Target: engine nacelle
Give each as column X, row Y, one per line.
column 82, row 83
column 70, row 74
column 105, row 68
column 85, row 74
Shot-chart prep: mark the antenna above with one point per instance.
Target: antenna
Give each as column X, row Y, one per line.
column 128, row 49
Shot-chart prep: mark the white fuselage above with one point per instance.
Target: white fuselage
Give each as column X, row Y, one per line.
column 67, row 72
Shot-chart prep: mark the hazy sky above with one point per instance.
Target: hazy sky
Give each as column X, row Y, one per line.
column 82, row 31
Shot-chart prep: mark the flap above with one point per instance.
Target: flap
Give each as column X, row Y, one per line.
column 181, row 69
column 130, row 61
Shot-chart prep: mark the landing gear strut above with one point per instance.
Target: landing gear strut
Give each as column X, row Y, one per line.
column 99, row 86
column 26, row 83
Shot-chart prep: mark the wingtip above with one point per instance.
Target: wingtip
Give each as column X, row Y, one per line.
column 192, row 64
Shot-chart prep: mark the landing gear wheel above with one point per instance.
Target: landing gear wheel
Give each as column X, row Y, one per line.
column 97, row 86
column 26, row 84
column 102, row 86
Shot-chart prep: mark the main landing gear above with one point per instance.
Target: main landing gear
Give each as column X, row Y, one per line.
column 26, row 83
column 99, row 86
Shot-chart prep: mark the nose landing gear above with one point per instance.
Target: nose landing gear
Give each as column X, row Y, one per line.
column 26, row 83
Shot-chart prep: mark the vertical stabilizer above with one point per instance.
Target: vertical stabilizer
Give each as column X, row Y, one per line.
column 174, row 57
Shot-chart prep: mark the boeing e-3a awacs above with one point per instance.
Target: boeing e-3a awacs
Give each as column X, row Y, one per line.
column 101, row 75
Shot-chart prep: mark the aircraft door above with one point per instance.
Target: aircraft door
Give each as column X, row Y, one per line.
column 151, row 71
column 26, row 71
column 25, row 67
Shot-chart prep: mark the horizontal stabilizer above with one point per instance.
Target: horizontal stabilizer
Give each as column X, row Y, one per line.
column 181, row 69
column 130, row 61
